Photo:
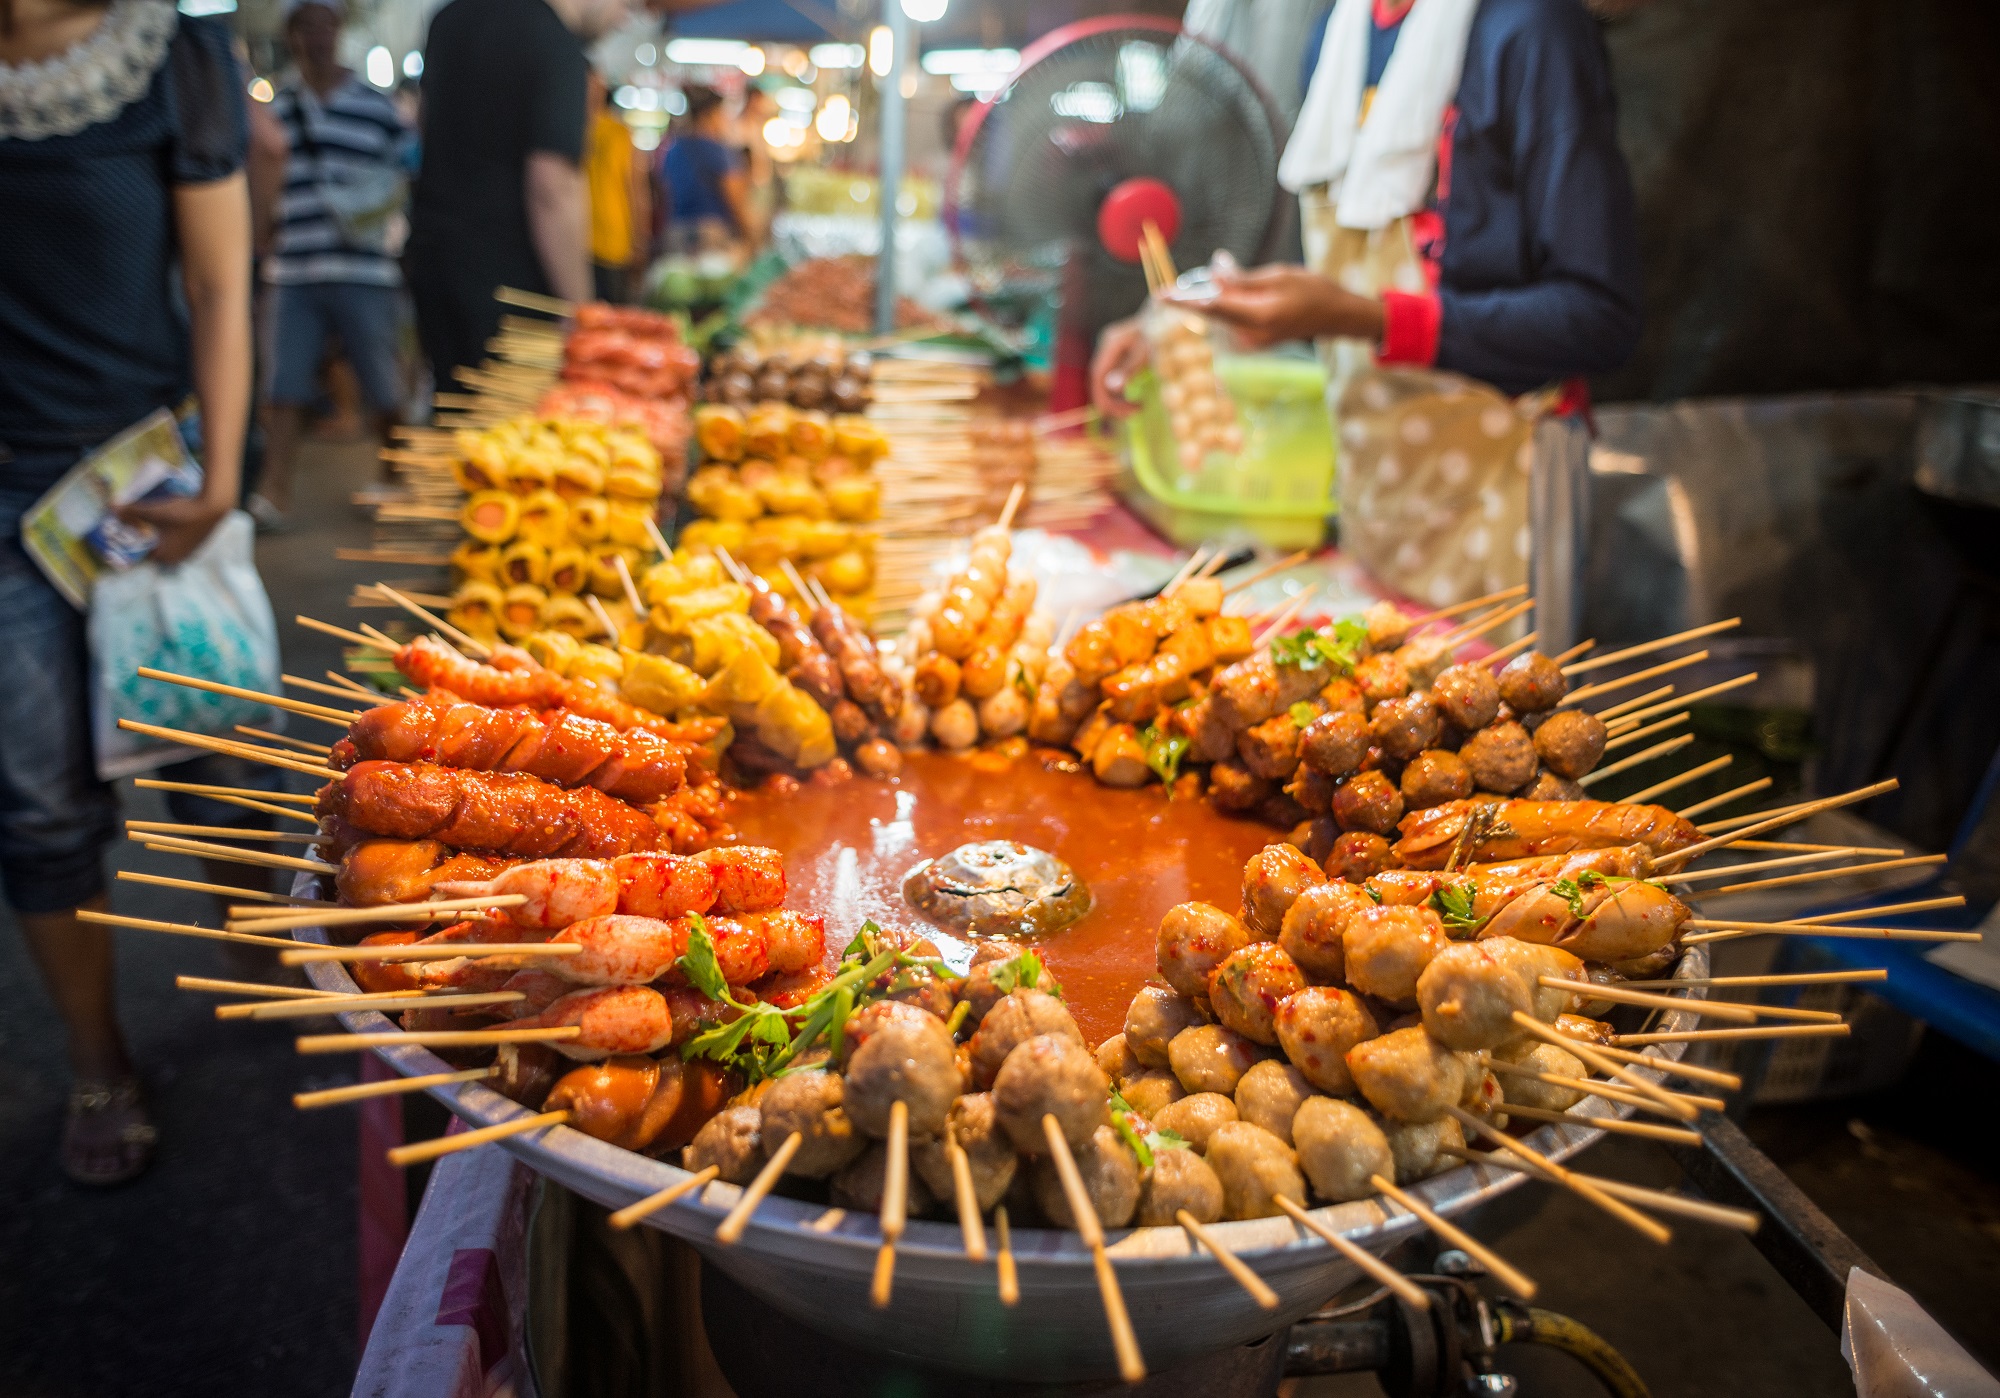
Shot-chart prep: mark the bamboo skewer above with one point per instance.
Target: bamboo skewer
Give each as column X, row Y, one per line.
column 1511, row 649
column 1717, row 827
column 1881, row 867
column 895, row 1203
column 965, row 1196
column 1131, row 1366
column 1009, row 1280
column 180, row 929
column 201, row 849
column 1634, row 652
column 1919, row 905
column 1616, row 1125
column 1623, row 710
column 653, row 1203
column 1591, row 691
column 341, row 1004
column 289, row 761
column 1874, row 973
column 1887, row 934
column 1014, row 498
column 1659, row 1200
column 1592, row 1087
column 317, row 749
column 221, row 795
column 1269, row 570
column 226, row 832
column 731, row 1228
column 1368, row 1262
column 361, row 1092
column 1580, row 1185
column 1461, row 608
column 1508, row 1275
column 1692, row 774
column 1747, row 789
column 1231, row 1263
column 1599, row 1063
column 1618, row 995
column 1728, row 1082
column 274, row 992
column 1286, row 616
column 418, row 951
column 1580, row 648
column 1794, row 845
column 400, row 1156
column 275, row 701
column 1194, row 561
column 1455, row 639
column 1769, row 1031
column 248, row 792
column 1589, row 779
column 472, row 646
column 1634, row 735
column 1683, row 857
column 1641, row 715
column 268, row 919
column 342, row 633
column 435, row 1038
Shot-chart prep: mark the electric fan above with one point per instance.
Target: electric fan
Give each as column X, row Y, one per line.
column 1107, row 124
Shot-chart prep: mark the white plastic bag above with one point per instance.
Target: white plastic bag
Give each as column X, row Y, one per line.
column 209, row 618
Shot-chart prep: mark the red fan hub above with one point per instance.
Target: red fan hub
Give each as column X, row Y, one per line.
column 1126, row 210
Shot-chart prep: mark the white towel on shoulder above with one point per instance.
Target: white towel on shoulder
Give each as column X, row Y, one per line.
column 1380, row 170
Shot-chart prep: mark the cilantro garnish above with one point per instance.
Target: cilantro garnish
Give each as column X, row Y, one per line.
column 1163, row 752
column 1025, row 972
column 1303, row 712
column 1571, row 893
column 1307, row 649
column 1453, row 904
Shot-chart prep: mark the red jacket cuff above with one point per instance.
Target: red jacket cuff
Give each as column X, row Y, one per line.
column 1410, row 324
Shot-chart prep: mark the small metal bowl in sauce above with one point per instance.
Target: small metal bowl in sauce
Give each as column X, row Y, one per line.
column 997, row 888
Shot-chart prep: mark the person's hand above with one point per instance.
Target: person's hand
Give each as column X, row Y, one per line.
column 181, row 524
column 1269, row 305
column 1121, row 353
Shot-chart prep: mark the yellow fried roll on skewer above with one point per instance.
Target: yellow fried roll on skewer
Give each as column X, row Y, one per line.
column 524, row 562
column 490, row 516
column 589, row 519
column 569, row 616
column 476, row 562
column 521, row 610
column 569, row 570
column 544, row 519
column 718, row 430
column 475, row 610
column 577, row 478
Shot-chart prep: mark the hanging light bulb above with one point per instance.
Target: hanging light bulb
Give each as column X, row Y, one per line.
column 881, row 50
column 925, row 11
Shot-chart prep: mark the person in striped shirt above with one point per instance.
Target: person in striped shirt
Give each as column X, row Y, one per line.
column 332, row 270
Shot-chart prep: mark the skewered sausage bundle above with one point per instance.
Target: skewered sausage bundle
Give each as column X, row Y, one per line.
column 499, row 812
column 1520, row 829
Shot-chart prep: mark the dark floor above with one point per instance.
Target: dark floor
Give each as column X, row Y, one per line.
column 230, row 1267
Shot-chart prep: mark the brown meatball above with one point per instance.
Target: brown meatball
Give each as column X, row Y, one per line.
column 1155, row 1016
column 1116, row 1058
column 1312, row 790
column 879, row 757
column 1408, row 1075
column 1368, row 801
column 1340, row 1147
column 1275, row 876
column 1469, row 994
column 1256, row 1169
column 1418, row 1147
column 732, row 1141
column 1343, row 696
column 1387, row 949
column 1245, row 989
column 1382, row 677
column 1269, row 1095
column 1467, row 695
column 859, row 1186
column 1359, row 855
column 1404, row 727
column 1311, row 931
column 1532, row 682
column 1196, row 1116
column 1179, row 1180
column 1270, row 749
column 1334, row 744
column 1569, row 742
column 1531, row 961
column 1500, row 756
column 1538, row 1057
column 1021, row 1016
column 915, row 1063
column 976, row 1128
column 1547, row 786
column 871, row 1019
column 977, row 989
column 810, row 1104
column 1110, row 1178
column 1315, row 837
column 1235, row 789
column 1316, row 1028
column 1435, row 777
column 1050, row 1075
column 1150, row 1089
column 1210, row 1058
column 1194, row 939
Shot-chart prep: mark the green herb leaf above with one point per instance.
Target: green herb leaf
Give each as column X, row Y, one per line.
column 1303, row 712
column 700, row 964
column 1163, row 752
column 958, row 1016
column 720, row 1043
column 1453, row 904
column 1121, row 1122
column 1569, row 891
column 1372, row 894
column 842, row 1007
column 1307, row 649
column 1167, row 1140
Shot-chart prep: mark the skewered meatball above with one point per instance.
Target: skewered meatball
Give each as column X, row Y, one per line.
column 1340, row 1147
column 1116, row 1058
column 1547, row 786
column 1358, row 855
column 988, row 1151
column 1110, row 1178
column 1343, row 696
column 1483, row 1094
column 1334, row 744
column 1019, row 1017
column 1467, row 695
column 1316, row 1028
column 914, row 1062
column 955, row 725
column 1531, row 961
column 1406, row 1074
column 1256, row 1168
column 732, row 1141
column 1368, row 801
column 879, row 757
column 1387, row 948
column 1271, row 748
column 1387, row 626
column 1314, row 793
column 1194, row 939
column 1234, row 788
column 1274, row 877
column 1532, row 682
column 1569, row 742
column 1050, row 1075
column 1419, row 1146
column 1435, row 777
column 1156, row 1015
column 1500, row 756
column 1470, row 993
column 1545, row 1058
column 810, row 1104
column 1246, row 988
column 1405, row 727
column 1311, row 931
column 1382, row 677
column 1196, row 1116
column 1269, row 1096
column 1150, row 1089
column 869, row 1020
column 978, row 989
column 1210, row 1058
column 859, row 1186
column 1179, row 1180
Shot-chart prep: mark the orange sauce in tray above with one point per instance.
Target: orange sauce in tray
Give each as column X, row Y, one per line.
column 848, row 847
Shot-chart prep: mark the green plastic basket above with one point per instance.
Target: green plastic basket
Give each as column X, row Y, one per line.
column 1278, row 490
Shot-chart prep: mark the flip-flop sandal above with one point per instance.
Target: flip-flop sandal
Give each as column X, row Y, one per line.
column 106, row 1137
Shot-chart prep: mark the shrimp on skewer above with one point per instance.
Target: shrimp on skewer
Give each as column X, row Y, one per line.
column 1525, row 828
column 737, row 879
